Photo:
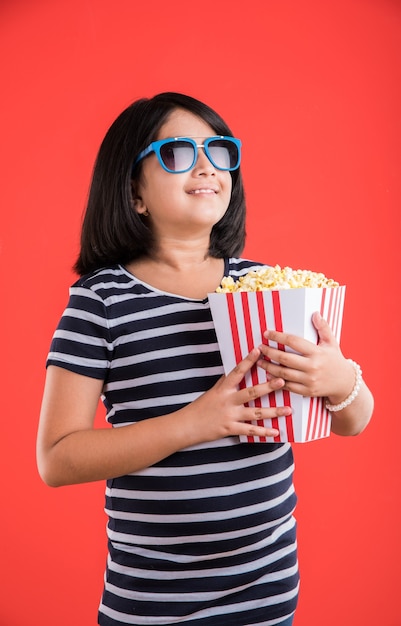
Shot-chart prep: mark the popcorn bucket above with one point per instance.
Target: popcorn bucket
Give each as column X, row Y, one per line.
column 240, row 320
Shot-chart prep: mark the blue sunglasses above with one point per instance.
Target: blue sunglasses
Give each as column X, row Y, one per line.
column 179, row 154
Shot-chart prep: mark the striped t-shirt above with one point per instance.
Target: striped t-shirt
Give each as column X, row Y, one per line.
column 205, row 537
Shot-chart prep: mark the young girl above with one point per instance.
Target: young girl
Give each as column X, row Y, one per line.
column 201, row 529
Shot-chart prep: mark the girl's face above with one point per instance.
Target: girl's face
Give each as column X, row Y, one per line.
column 186, row 204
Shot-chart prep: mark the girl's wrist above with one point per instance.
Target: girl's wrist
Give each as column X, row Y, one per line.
column 335, row 403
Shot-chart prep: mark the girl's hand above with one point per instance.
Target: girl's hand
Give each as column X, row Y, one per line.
column 220, row 412
column 310, row 370
column 71, row 450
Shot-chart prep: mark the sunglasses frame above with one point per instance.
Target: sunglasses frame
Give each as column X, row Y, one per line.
column 155, row 147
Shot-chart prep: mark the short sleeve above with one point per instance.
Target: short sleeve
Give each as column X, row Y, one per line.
column 82, row 342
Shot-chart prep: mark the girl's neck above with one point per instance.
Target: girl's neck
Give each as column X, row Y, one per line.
column 181, row 255
column 191, row 273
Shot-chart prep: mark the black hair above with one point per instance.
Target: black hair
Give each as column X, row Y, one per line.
column 112, row 231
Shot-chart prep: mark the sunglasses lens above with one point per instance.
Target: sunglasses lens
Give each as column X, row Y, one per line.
column 224, row 154
column 177, row 156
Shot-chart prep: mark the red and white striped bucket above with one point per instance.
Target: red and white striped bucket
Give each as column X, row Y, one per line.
column 240, row 320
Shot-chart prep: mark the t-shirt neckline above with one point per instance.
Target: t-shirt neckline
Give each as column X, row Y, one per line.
column 168, row 293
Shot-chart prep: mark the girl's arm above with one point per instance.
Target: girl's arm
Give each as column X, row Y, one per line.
column 320, row 371
column 70, row 450
column 353, row 419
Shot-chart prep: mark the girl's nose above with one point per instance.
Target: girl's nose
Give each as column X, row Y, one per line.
column 203, row 165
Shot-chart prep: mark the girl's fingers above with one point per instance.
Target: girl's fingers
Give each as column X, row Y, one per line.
column 237, row 374
column 323, row 329
column 280, row 357
column 300, row 345
column 252, row 428
column 248, row 394
column 281, row 372
column 248, row 418
column 292, row 341
column 244, row 366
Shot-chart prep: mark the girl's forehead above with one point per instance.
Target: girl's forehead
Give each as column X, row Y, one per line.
column 182, row 123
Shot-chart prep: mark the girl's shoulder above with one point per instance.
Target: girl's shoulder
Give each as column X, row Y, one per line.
column 238, row 266
column 105, row 284
column 104, row 275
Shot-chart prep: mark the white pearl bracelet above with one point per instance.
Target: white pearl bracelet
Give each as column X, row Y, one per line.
column 358, row 380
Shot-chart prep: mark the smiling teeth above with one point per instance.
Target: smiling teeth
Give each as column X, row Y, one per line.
column 203, row 191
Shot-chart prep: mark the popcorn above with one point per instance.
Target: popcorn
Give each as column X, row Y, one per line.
column 283, row 300
column 275, row 278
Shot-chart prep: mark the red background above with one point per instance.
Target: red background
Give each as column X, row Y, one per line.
column 313, row 90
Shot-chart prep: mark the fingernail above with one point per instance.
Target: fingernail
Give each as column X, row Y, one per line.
column 278, row 382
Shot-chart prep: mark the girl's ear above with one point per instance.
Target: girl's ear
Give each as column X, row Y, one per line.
column 137, row 203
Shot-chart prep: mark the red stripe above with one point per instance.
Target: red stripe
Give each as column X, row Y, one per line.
column 250, row 344
column 234, row 327
column 310, row 417
column 340, row 296
column 324, row 290
column 315, row 424
column 288, row 418
column 333, row 320
column 272, row 401
column 328, row 423
column 237, row 346
column 278, row 321
column 324, row 420
column 330, row 309
column 262, row 314
column 342, row 300
column 249, row 340
column 247, row 319
column 323, row 300
column 320, row 407
column 263, row 326
column 319, row 401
